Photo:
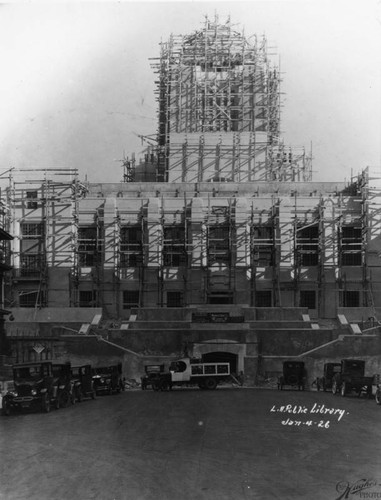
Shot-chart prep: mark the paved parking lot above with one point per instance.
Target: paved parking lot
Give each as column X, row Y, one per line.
column 228, row 444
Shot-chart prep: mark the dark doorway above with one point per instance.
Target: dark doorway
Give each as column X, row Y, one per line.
column 220, row 298
column 222, row 357
column 263, row 298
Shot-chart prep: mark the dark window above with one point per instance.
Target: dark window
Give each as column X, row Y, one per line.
column 178, row 366
column 88, row 298
column 31, row 264
column 174, row 254
column 88, row 246
column 31, row 299
column 351, row 246
column 174, row 299
column 220, row 298
column 130, row 299
column 32, row 229
column 131, row 248
column 307, row 246
column 262, row 238
column 31, row 199
column 32, row 255
column 219, row 244
column 263, row 298
column 351, row 298
column 308, row 299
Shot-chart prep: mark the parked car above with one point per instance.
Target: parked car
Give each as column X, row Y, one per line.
column 82, row 382
column 294, row 375
column 325, row 382
column 62, row 385
column 108, row 379
column 38, row 386
column 152, row 375
column 352, row 379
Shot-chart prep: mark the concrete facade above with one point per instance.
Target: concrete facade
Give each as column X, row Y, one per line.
column 261, row 244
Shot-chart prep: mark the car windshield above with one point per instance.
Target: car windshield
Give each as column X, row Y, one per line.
column 28, row 372
column 102, row 371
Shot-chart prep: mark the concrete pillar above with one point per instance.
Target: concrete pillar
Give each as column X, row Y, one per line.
column 155, row 230
column 286, row 229
column 242, row 233
column 59, row 219
column 110, row 232
column 330, row 258
column 198, row 233
column 15, row 245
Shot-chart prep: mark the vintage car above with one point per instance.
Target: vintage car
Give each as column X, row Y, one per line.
column 325, row 382
column 82, row 382
column 294, row 375
column 62, row 385
column 152, row 375
column 37, row 386
column 108, row 379
column 352, row 378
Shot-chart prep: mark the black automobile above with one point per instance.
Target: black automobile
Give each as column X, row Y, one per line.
column 82, row 382
column 36, row 387
column 108, row 379
column 325, row 382
column 294, row 375
column 152, row 375
column 62, row 385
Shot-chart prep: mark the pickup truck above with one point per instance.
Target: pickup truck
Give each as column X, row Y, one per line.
column 352, row 379
column 190, row 372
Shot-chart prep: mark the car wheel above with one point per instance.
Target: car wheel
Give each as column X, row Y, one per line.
column 45, row 404
column 6, row 408
column 164, row 386
column 318, row 386
column 94, row 394
column 210, row 383
column 343, row 389
column 110, row 390
column 64, row 399
column 334, row 387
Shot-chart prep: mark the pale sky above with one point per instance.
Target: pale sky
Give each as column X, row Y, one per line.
column 76, row 86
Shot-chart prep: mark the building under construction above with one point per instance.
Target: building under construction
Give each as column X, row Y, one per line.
column 221, row 221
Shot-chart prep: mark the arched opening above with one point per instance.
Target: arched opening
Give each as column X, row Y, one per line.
column 222, row 357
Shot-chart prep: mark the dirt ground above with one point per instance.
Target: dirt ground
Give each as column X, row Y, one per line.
column 227, row 444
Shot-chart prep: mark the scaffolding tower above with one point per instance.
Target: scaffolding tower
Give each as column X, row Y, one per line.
column 219, row 97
